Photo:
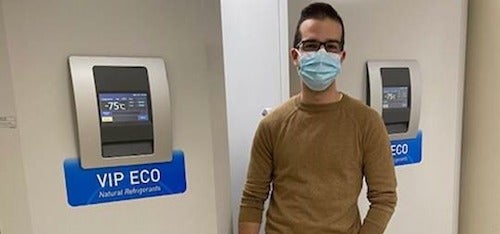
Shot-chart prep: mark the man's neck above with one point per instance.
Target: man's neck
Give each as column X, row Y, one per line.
column 330, row 95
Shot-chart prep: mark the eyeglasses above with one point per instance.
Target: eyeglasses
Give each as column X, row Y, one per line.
column 314, row 45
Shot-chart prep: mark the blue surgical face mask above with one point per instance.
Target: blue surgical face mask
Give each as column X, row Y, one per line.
column 319, row 69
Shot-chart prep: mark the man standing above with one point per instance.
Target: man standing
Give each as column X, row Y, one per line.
column 317, row 147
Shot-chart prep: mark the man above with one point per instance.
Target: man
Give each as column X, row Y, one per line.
column 316, row 148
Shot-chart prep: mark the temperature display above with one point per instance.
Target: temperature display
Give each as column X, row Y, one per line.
column 395, row 97
column 124, row 107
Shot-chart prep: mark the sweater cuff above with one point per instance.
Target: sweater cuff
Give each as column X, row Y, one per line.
column 371, row 228
column 375, row 222
column 249, row 214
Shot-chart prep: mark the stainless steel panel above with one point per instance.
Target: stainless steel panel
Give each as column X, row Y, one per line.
column 375, row 87
column 88, row 117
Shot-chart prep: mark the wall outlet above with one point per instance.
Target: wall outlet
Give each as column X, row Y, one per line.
column 265, row 112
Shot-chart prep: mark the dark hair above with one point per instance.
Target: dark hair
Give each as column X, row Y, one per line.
column 320, row 11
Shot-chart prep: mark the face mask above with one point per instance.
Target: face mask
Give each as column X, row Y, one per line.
column 319, row 69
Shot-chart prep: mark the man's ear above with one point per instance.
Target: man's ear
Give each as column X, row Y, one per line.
column 294, row 55
column 342, row 56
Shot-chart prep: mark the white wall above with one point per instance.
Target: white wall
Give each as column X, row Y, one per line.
column 40, row 36
column 253, row 68
column 14, row 211
column 432, row 32
column 479, row 204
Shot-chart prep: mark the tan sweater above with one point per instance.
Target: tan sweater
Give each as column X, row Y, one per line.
column 315, row 158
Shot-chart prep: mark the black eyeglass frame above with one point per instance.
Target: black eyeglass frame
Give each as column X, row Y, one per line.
column 324, row 44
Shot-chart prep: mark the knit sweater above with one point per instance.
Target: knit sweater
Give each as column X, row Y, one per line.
column 315, row 156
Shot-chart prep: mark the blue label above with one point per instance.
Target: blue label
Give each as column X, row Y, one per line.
column 101, row 185
column 407, row 151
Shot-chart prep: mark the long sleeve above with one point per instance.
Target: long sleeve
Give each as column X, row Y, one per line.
column 259, row 176
column 378, row 169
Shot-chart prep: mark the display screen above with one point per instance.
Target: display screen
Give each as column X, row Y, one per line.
column 395, row 97
column 124, row 107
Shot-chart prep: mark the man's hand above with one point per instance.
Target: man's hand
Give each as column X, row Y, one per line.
column 248, row 228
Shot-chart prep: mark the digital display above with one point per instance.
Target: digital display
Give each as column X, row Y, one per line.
column 124, row 107
column 395, row 97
